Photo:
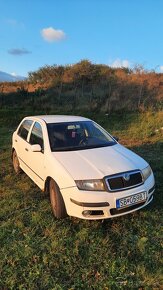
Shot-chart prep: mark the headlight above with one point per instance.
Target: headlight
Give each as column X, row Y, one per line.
column 94, row 184
column 146, row 172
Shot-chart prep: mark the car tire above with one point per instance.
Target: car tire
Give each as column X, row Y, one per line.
column 57, row 202
column 16, row 163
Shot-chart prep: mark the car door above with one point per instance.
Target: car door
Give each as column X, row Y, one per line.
column 35, row 160
column 21, row 143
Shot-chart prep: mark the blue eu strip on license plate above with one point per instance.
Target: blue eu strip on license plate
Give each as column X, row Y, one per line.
column 131, row 200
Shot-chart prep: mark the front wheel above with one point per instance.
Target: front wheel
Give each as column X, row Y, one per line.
column 15, row 162
column 57, row 202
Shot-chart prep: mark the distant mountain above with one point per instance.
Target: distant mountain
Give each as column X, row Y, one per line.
column 5, row 77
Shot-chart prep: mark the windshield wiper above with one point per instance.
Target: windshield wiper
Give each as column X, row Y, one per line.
column 72, row 148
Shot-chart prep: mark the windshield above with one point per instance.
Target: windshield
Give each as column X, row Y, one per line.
column 80, row 135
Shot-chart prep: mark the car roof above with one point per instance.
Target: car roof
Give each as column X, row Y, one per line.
column 57, row 118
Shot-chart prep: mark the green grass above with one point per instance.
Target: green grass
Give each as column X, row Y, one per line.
column 40, row 252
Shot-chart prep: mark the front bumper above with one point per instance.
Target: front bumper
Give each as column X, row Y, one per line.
column 101, row 205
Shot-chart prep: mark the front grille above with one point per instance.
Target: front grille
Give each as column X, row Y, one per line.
column 124, row 180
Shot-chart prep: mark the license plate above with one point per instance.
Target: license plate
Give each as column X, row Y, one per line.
column 131, row 199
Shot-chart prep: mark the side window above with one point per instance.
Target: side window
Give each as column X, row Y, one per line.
column 24, row 129
column 36, row 135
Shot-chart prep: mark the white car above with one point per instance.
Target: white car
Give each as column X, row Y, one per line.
column 87, row 173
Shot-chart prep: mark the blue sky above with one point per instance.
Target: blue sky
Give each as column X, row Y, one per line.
column 34, row 33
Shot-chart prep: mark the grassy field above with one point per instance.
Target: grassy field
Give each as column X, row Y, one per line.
column 39, row 252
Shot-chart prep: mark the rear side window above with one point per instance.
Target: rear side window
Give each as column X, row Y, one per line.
column 36, row 135
column 24, row 129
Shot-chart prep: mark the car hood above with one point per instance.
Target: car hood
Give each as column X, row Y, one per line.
column 99, row 162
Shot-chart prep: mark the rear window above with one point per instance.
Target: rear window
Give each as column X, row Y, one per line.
column 24, row 129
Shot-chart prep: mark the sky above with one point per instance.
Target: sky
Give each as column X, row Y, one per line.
column 35, row 33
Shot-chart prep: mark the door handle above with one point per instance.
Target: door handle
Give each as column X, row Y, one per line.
column 26, row 149
column 16, row 140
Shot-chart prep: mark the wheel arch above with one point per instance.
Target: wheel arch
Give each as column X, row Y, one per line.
column 47, row 182
column 13, row 149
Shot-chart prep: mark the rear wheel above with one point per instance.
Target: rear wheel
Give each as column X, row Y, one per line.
column 57, row 202
column 15, row 162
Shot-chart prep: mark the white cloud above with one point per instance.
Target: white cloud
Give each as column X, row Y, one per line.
column 161, row 68
column 14, row 23
column 120, row 63
column 14, row 74
column 50, row 34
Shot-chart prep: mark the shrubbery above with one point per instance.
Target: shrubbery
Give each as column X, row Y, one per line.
column 87, row 87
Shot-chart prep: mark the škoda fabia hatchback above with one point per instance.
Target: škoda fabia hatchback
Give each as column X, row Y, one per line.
column 87, row 173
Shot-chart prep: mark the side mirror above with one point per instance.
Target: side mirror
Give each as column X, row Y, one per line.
column 116, row 138
column 36, row 148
